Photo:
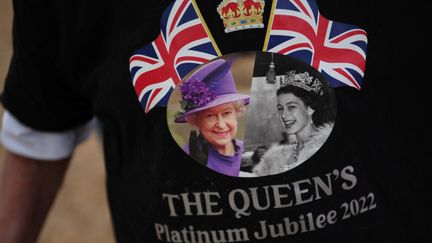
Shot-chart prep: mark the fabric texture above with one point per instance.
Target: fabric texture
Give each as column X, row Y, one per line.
column 71, row 63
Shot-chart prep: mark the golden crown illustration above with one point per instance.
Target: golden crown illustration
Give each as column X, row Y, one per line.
column 302, row 80
column 241, row 14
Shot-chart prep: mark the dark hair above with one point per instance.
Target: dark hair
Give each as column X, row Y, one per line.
column 324, row 105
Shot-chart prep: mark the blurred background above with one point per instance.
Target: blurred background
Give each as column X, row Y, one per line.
column 80, row 212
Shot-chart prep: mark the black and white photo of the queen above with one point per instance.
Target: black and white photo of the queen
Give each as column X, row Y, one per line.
column 293, row 114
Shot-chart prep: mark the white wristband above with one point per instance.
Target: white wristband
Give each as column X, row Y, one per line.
column 20, row 139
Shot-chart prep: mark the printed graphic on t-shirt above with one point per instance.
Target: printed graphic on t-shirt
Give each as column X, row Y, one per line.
column 190, row 37
column 252, row 114
column 260, row 103
column 241, row 14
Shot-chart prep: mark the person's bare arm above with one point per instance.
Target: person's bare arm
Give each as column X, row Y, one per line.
column 28, row 188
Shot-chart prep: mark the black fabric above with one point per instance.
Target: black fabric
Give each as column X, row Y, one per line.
column 71, row 62
column 57, row 46
column 251, row 39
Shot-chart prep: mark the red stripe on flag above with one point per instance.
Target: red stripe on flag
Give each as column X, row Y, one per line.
column 320, row 49
column 348, row 34
column 179, row 12
column 162, row 73
column 191, row 58
column 143, row 59
column 302, row 7
column 297, row 46
column 346, row 75
column 294, row 24
column 150, row 100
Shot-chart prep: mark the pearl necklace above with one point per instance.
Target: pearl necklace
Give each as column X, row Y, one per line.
column 294, row 155
column 292, row 158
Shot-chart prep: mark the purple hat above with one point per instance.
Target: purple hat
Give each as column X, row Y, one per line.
column 209, row 86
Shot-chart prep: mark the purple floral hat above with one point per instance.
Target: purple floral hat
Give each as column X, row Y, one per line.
column 209, row 86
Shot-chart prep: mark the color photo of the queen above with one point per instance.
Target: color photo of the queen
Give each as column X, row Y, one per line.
column 292, row 113
column 207, row 124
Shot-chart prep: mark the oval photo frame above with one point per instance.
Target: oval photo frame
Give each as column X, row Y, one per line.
column 252, row 114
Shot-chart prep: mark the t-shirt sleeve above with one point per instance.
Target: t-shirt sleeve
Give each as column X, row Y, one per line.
column 57, row 49
column 23, row 140
column 49, row 87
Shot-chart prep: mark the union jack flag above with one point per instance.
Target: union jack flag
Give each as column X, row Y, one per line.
column 182, row 45
column 297, row 29
column 335, row 49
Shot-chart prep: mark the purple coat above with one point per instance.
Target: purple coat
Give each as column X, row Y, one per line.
column 227, row 165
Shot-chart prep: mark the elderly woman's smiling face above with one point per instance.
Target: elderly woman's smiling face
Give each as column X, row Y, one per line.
column 218, row 125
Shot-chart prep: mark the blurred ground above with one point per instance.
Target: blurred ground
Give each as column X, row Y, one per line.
column 80, row 213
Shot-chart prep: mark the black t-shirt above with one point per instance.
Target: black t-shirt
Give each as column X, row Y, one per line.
column 71, row 62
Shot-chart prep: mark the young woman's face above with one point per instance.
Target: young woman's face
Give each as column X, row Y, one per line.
column 293, row 112
column 218, row 125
